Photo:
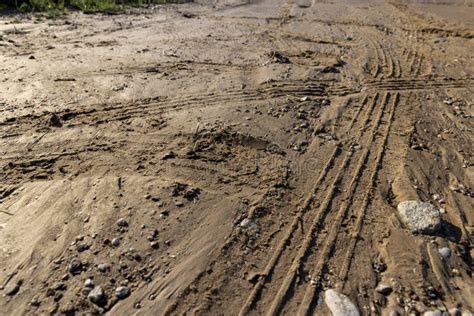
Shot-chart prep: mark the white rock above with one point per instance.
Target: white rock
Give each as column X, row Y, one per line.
column 89, row 283
column 445, row 252
column 122, row 292
column 339, row 304
column 420, row 217
column 97, row 295
column 432, row 313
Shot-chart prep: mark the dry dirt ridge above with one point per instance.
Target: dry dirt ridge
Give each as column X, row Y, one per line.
column 238, row 158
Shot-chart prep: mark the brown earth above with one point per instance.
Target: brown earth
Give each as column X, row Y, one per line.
column 267, row 142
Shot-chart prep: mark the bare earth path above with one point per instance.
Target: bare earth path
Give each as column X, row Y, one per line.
column 256, row 152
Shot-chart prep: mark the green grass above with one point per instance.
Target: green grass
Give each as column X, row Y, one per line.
column 57, row 7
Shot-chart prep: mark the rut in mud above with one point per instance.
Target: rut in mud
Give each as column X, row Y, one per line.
column 237, row 157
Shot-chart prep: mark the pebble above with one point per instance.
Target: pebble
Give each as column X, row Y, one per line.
column 11, row 291
column 53, row 309
column 245, row 223
column 89, row 283
column 384, row 289
column 122, row 222
column 122, row 292
column 339, row 304
column 67, row 309
column 75, row 266
column 35, row 302
column 432, row 313
column 445, row 252
column 155, row 244
column 420, row 217
column 60, row 286
column 455, row 312
column 116, row 242
column 97, row 296
column 103, row 267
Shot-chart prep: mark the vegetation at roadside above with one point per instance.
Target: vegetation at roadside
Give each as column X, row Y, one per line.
column 55, row 7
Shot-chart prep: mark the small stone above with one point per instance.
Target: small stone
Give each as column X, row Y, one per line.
column 420, row 217
column 432, row 313
column 53, row 309
column 420, row 307
column 454, row 312
column 103, row 267
column 339, row 304
column 35, row 302
column 97, row 296
column 58, row 296
column 116, row 242
column 155, row 244
column 179, row 204
column 168, row 155
column 67, row 309
column 245, row 223
column 11, row 291
column 122, row 222
column 384, row 289
column 89, row 283
column 301, row 116
column 122, row 292
column 60, row 286
column 445, row 252
column 75, row 266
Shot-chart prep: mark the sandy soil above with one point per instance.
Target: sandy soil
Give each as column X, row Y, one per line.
column 255, row 151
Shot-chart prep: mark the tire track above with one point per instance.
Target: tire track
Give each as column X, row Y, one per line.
column 367, row 197
column 252, row 298
column 315, row 225
column 282, row 295
column 324, row 255
column 100, row 113
column 363, row 102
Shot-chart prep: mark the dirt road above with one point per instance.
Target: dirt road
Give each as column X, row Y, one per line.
column 237, row 157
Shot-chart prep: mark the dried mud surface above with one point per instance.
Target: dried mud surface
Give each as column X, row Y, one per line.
column 255, row 150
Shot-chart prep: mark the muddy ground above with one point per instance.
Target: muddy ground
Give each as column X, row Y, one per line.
column 237, row 157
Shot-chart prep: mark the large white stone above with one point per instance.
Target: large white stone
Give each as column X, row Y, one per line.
column 339, row 304
column 420, row 217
